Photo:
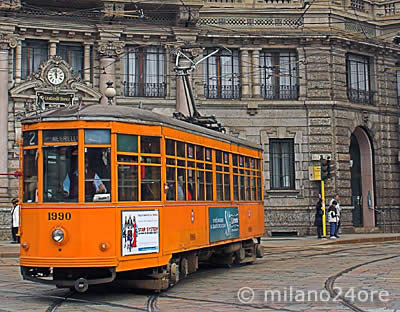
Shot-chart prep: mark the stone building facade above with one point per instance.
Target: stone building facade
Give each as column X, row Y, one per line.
column 303, row 79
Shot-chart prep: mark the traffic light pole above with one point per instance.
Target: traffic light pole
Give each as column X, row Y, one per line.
column 323, row 208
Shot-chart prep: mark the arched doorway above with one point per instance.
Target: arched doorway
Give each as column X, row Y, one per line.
column 362, row 179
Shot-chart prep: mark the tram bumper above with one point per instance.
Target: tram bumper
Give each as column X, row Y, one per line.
column 80, row 279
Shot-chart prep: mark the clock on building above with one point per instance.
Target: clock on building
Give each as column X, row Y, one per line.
column 55, row 75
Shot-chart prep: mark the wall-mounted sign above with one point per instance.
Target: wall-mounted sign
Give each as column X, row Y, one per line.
column 314, row 173
column 46, row 100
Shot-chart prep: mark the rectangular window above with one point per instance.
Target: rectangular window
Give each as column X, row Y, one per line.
column 150, row 168
column 222, row 75
column 127, row 182
column 34, row 53
column 144, row 72
column 73, row 54
column 282, row 164
column 97, row 174
column 358, row 79
column 279, row 75
column 30, row 177
column 60, row 173
column 97, row 136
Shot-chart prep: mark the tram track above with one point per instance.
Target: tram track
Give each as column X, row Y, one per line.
column 60, row 302
column 330, row 282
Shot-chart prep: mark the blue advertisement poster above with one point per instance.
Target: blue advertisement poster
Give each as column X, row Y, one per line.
column 223, row 222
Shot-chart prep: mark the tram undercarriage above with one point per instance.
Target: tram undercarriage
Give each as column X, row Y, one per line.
column 157, row 279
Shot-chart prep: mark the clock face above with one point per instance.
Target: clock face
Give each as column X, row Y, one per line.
column 55, row 75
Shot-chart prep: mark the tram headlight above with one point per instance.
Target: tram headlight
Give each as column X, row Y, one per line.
column 58, row 235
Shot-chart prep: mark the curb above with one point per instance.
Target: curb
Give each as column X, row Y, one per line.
column 9, row 254
column 363, row 240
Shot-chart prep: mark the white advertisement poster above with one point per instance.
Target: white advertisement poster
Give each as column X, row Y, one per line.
column 140, row 232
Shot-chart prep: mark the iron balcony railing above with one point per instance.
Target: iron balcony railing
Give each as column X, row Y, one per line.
column 281, row 92
column 360, row 96
column 222, row 92
column 136, row 89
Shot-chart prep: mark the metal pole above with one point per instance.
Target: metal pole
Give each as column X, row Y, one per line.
column 323, row 208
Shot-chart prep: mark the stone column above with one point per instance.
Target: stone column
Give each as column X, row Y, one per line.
column 86, row 64
column 109, row 52
column 53, row 48
column 245, row 64
column 18, row 61
column 256, row 73
column 4, row 55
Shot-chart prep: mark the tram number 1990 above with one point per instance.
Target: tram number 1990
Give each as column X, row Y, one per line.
column 54, row 216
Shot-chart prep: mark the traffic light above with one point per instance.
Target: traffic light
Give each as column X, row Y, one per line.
column 324, row 169
column 328, row 169
column 331, row 168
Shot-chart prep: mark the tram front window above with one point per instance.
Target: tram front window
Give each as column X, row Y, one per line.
column 30, row 175
column 60, row 176
column 97, row 174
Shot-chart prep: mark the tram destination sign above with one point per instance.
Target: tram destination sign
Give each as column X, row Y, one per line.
column 46, row 100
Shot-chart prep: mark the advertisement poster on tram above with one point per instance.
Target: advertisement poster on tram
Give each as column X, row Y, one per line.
column 224, row 223
column 140, row 232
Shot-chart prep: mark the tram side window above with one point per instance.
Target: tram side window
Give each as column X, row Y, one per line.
column 171, row 183
column 128, row 164
column 60, row 174
column 97, row 174
column 150, row 168
column 30, row 175
column 200, row 172
column 241, row 182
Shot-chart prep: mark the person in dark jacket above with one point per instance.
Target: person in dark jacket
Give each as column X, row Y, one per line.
column 318, row 217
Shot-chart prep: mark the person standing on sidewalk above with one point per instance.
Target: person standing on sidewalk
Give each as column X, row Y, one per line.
column 15, row 221
column 318, row 216
column 332, row 219
column 336, row 199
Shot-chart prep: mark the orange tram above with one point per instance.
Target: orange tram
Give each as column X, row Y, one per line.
column 117, row 193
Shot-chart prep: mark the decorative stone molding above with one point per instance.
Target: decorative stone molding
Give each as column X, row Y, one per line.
column 362, row 29
column 188, row 15
column 72, row 91
column 288, row 22
column 114, row 9
column 111, row 48
column 10, row 4
column 7, row 41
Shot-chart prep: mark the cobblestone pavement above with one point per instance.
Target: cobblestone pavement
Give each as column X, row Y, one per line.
column 354, row 277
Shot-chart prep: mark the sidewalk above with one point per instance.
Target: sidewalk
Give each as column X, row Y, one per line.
column 8, row 250
column 308, row 241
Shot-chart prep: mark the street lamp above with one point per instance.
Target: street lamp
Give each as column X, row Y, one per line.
column 110, row 92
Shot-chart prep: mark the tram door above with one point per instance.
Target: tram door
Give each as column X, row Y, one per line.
column 356, row 185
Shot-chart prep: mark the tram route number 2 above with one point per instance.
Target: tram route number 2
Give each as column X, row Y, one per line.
column 54, row 216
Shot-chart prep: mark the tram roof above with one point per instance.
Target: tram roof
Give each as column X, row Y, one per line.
column 131, row 115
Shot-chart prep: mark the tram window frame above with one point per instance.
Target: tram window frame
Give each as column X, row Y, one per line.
column 30, row 174
column 60, row 173
column 193, row 171
column 97, row 165
column 59, row 183
column 97, row 177
column 147, row 160
column 223, row 173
